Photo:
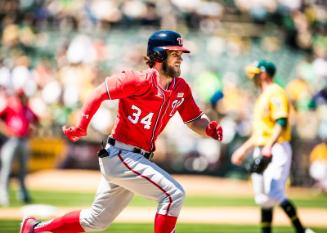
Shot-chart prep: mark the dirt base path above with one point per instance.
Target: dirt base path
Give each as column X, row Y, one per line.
column 83, row 180
column 73, row 180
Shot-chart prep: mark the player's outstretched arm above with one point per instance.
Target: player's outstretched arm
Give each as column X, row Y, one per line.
column 203, row 126
column 240, row 154
column 90, row 107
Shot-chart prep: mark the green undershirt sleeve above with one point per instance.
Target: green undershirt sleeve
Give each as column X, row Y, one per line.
column 282, row 122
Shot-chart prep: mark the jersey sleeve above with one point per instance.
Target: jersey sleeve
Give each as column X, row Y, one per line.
column 122, row 85
column 279, row 105
column 189, row 110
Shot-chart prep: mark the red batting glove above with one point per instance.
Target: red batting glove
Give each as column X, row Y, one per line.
column 74, row 133
column 214, row 130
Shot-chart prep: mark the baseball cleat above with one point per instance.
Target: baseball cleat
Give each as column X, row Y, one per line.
column 27, row 225
column 308, row 230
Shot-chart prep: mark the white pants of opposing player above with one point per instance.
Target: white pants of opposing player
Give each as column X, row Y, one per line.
column 123, row 174
column 269, row 188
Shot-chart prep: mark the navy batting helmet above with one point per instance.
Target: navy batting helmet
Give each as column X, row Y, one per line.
column 161, row 41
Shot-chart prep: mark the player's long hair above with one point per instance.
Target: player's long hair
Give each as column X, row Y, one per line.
column 149, row 62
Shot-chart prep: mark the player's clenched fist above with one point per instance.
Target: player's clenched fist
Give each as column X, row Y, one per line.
column 214, row 130
column 74, row 133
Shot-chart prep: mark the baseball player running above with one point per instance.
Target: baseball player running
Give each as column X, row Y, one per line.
column 270, row 138
column 147, row 100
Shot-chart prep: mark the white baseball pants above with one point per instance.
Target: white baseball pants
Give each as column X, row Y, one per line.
column 123, row 174
column 269, row 187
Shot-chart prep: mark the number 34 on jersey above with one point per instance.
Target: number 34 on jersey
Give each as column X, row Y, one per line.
column 135, row 117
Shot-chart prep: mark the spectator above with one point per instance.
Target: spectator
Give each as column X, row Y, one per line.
column 318, row 167
column 16, row 121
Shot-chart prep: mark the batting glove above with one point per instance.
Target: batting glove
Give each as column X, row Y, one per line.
column 214, row 130
column 74, row 133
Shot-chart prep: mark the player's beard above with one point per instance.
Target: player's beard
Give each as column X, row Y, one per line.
column 171, row 71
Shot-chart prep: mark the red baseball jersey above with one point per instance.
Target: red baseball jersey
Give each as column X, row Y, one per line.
column 145, row 107
column 18, row 117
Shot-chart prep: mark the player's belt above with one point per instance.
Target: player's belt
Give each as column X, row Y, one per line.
column 114, row 142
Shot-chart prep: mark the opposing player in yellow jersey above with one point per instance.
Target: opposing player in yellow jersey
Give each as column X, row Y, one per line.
column 271, row 136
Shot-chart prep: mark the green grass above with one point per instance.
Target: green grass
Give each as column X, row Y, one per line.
column 13, row 227
column 72, row 199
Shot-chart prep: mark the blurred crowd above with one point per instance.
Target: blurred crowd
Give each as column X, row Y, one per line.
column 57, row 51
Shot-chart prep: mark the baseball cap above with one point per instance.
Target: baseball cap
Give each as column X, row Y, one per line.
column 259, row 67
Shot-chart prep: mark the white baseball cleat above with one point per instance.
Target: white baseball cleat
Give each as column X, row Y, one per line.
column 308, row 230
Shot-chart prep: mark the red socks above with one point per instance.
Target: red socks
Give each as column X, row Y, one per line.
column 164, row 224
column 67, row 223
column 70, row 223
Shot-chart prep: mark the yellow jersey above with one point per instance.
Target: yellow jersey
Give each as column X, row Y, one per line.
column 271, row 105
column 319, row 153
